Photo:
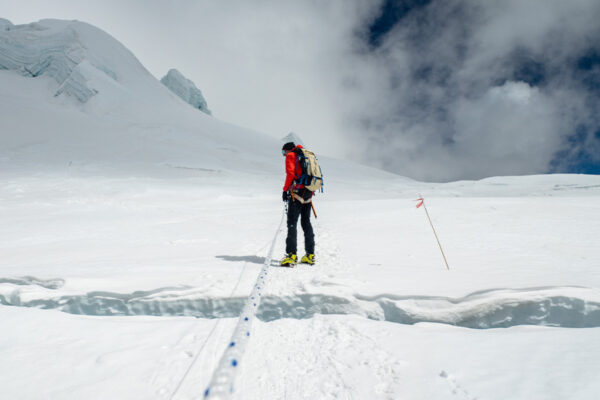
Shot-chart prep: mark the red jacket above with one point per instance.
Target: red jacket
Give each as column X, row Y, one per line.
column 293, row 170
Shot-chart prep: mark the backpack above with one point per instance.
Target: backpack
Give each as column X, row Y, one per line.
column 311, row 177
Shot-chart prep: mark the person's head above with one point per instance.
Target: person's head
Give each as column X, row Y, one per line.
column 289, row 146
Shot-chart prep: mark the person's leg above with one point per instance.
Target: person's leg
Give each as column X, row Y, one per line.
column 292, row 222
column 309, row 237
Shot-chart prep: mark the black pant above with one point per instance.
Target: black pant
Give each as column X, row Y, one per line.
column 296, row 209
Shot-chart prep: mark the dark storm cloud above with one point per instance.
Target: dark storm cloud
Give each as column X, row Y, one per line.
column 391, row 12
column 469, row 89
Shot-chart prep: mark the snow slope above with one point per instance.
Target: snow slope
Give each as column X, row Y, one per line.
column 517, row 315
column 129, row 124
column 134, row 229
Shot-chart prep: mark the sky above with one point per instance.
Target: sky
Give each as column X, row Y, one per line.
column 436, row 90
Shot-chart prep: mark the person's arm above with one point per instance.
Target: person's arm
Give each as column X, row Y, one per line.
column 290, row 170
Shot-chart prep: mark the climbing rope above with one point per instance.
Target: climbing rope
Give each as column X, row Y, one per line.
column 213, row 329
column 239, row 327
column 221, row 385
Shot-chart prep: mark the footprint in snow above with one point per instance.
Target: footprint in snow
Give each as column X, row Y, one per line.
column 456, row 388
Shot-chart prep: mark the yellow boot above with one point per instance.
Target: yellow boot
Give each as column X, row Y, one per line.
column 290, row 260
column 308, row 259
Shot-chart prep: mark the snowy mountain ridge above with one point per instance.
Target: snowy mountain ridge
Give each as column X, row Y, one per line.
column 122, row 119
column 98, row 109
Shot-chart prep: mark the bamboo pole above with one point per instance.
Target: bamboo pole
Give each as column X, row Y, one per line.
column 435, row 234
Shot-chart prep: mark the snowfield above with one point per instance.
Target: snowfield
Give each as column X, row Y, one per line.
column 379, row 316
column 135, row 228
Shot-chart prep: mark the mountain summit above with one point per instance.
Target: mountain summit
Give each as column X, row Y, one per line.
column 83, row 63
column 79, row 57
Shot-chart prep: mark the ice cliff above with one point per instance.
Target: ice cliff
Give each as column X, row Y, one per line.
column 82, row 59
column 185, row 89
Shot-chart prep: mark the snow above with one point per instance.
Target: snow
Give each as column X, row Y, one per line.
column 186, row 90
column 134, row 229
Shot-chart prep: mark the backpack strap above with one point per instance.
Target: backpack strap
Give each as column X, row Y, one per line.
column 300, row 199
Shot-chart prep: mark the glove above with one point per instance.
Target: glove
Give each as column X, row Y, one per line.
column 285, row 196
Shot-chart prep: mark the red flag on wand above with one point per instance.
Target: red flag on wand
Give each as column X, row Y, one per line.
column 420, row 202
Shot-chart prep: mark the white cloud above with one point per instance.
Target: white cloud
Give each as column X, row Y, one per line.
column 512, row 127
column 452, row 105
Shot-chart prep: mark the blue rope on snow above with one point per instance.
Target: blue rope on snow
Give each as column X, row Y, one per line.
column 221, row 385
